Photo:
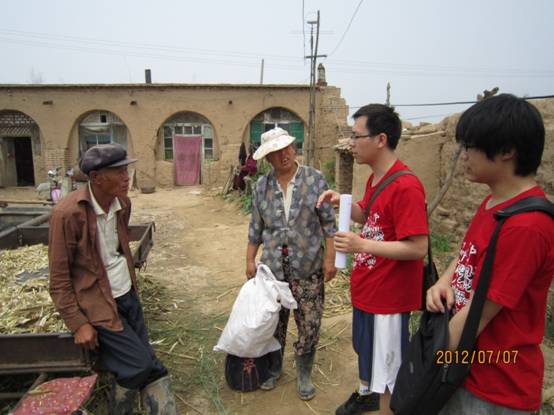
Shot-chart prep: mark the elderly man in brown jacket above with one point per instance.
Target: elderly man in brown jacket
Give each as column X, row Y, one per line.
column 93, row 283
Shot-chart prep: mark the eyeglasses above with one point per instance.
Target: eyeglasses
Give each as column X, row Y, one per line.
column 357, row 137
column 467, row 146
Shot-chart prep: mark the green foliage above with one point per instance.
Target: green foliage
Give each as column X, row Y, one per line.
column 329, row 173
column 440, row 243
column 245, row 202
column 245, row 198
column 549, row 329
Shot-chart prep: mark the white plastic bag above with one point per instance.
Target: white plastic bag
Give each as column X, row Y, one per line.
column 255, row 314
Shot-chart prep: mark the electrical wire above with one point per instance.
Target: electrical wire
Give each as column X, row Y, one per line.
column 347, row 27
column 134, row 49
column 436, row 103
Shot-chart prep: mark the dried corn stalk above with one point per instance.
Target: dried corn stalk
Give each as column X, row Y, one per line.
column 26, row 307
column 337, row 296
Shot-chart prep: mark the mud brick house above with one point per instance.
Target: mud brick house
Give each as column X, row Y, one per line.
column 181, row 133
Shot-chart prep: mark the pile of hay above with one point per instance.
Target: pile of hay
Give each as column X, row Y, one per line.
column 337, row 295
column 25, row 304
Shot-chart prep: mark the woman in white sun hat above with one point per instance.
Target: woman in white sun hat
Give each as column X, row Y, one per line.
column 297, row 244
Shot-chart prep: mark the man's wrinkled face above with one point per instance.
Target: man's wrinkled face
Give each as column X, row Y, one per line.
column 113, row 181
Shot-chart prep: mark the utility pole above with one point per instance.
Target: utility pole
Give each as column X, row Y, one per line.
column 310, row 142
column 388, row 94
column 262, row 73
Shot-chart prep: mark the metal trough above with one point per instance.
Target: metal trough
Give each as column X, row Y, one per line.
column 53, row 352
column 44, row 352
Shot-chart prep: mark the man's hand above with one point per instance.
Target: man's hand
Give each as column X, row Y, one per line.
column 349, row 242
column 329, row 269
column 86, row 336
column 328, row 196
column 435, row 295
column 250, row 269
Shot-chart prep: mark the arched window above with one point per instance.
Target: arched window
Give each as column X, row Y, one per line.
column 277, row 117
column 192, row 125
column 101, row 127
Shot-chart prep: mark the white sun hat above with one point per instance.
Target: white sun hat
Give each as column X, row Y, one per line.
column 273, row 140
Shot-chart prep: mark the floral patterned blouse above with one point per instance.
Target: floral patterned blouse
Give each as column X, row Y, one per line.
column 305, row 230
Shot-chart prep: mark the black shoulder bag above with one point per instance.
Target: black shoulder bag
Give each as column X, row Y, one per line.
column 422, row 386
column 430, row 274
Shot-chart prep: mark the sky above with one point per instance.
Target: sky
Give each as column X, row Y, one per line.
column 431, row 51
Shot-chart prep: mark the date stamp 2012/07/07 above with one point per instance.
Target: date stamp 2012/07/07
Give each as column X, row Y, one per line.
column 482, row 357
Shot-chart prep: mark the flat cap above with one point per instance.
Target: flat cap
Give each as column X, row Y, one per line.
column 104, row 155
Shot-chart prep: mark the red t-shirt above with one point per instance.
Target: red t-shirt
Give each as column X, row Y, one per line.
column 513, row 368
column 386, row 286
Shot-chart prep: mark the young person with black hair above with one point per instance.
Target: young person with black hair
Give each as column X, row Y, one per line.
column 387, row 263
column 503, row 137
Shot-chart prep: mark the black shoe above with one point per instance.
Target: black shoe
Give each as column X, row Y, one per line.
column 358, row 404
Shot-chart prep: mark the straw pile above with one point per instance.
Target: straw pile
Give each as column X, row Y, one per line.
column 26, row 307
column 337, row 296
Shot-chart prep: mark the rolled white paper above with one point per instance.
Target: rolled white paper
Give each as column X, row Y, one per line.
column 345, row 210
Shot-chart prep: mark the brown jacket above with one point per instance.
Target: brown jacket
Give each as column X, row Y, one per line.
column 79, row 284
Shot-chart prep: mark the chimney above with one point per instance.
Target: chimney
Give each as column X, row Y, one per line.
column 321, row 81
column 148, row 76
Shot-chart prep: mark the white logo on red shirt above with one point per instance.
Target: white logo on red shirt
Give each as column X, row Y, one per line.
column 462, row 280
column 373, row 231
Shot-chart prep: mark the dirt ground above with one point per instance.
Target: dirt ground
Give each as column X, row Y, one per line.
column 200, row 247
column 198, row 260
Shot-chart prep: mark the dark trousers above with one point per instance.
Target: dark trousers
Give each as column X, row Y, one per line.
column 128, row 354
column 309, row 293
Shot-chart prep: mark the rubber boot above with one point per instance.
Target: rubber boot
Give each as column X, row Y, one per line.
column 158, row 399
column 122, row 399
column 275, row 370
column 304, row 386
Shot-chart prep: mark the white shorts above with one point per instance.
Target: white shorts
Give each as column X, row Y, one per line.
column 378, row 340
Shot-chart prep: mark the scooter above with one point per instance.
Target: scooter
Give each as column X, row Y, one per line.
column 54, row 181
column 57, row 186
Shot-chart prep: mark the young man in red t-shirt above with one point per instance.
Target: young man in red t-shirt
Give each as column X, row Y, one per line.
column 503, row 137
column 387, row 263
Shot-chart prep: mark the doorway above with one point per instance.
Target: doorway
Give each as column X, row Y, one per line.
column 187, row 159
column 22, row 151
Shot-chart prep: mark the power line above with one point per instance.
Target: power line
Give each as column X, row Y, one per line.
column 110, row 47
column 437, row 103
column 139, row 46
column 461, row 102
column 114, row 52
column 426, row 116
column 347, row 27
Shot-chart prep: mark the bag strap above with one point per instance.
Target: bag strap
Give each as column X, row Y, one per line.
column 469, row 333
column 529, row 204
column 429, row 251
column 381, row 187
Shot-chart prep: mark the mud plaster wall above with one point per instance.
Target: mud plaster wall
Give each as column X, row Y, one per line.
column 428, row 149
column 463, row 197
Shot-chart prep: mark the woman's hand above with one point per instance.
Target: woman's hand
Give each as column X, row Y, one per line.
column 328, row 196
column 329, row 269
column 250, row 269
